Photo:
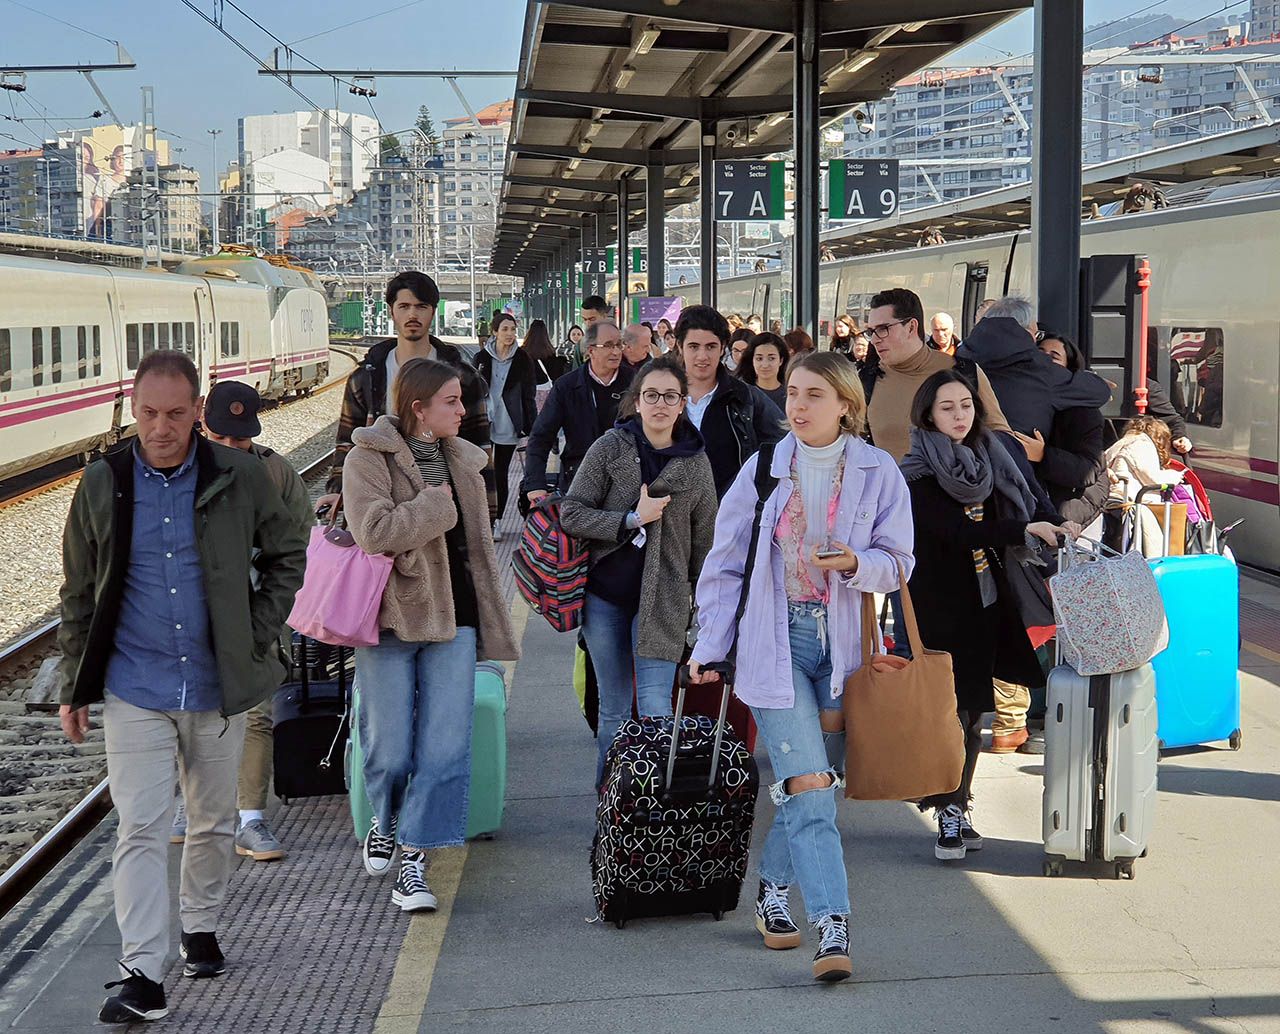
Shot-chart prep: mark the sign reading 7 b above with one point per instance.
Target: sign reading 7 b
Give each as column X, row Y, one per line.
column 862, row 189
column 748, row 191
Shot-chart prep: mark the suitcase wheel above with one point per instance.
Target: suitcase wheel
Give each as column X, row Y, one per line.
column 1124, row 870
column 1052, row 868
column 619, row 923
column 1237, row 738
column 717, row 916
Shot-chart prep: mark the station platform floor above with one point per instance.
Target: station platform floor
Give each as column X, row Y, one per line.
column 314, row 944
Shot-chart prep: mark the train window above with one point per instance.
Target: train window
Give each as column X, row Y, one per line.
column 235, row 339
column 162, row 336
column 224, row 330
column 148, row 338
column 82, row 353
column 1196, row 366
column 37, row 356
column 132, row 355
column 55, row 354
column 97, row 351
column 6, row 361
column 179, row 342
column 191, row 338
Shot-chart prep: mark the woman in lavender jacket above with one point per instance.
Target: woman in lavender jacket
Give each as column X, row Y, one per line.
column 837, row 524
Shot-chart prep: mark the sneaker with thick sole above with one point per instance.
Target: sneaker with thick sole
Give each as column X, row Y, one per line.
column 773, row 918
column 950, row 846
column 255, row 840
column 832, row 962
column 411, row 891
column 201, row 956
column 178, row 835
column 379, row 849
column 971, row 837
column 139, row 999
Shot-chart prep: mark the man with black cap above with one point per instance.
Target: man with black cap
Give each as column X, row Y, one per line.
column 231, row 419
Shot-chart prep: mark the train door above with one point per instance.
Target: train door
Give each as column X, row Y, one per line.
column 974, row 290
column 206, row 341
column 761, row 304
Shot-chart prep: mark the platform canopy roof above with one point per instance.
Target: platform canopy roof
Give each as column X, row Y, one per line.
column 606, row 89
column 1213, row 160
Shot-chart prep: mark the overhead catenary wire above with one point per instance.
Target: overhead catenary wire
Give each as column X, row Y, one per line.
column 62, row 21
column 357, row 21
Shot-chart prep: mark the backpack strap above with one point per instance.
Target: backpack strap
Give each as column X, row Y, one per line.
column 765, row 484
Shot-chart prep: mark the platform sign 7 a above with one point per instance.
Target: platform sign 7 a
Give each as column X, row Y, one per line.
column 748, row 191
column 860, row 189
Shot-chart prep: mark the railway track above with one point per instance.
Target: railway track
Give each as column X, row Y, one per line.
column 53, row 793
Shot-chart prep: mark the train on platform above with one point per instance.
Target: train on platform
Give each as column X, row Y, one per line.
column 72, row 335
column 1214, row 322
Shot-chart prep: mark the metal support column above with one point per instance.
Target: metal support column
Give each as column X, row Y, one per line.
column 804, row 273
column 1055, row 175
column 655, row 215
column 707, row 210
column 624, row 252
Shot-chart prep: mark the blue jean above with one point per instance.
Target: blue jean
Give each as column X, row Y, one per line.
column 611, row 636
column 803, row 844
column 416, row 702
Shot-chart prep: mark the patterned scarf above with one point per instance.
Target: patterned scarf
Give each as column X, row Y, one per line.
column 793, row 526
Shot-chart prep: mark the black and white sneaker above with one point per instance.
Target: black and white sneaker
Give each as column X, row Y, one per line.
column 950, row 846
column 139, row 999
column 773, row 918
column 201, row 956
column 379, row 849
column 971, row 837
column 411, row 892
column 832, row 962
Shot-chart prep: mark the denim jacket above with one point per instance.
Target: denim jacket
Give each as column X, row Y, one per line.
column 873, row 518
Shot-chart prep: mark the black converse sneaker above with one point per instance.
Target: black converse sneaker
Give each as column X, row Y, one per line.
column 202, row 958
column 773, row 918
column 379, row 849
column 971, row 837
column 950, row 846
column 832, row 963
column 138, row 999
column 411, row 892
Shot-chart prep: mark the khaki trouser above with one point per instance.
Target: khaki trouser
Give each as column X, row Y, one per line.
column 145, row 749
column 256, row 764
column 1012, row 704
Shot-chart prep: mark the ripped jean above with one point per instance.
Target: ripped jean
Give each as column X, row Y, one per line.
column 803, row 844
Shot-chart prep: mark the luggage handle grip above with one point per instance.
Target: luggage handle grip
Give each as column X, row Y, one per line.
column 725, row 670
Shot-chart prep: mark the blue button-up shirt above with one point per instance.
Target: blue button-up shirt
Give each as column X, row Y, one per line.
column 162, row 658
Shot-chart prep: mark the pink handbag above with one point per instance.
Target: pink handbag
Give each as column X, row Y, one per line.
column 341, row 592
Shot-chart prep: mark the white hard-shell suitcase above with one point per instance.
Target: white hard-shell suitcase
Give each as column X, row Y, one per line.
column 1101, row 753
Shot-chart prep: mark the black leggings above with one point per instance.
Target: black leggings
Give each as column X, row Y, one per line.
column 502, row 456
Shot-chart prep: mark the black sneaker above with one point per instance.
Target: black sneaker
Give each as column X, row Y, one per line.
column 773, row 918
column 950, row 846
column 201, row 956
column 832, row 963
column 139, row 999
column 379, row 849
column 971, row 837
column 411, row 892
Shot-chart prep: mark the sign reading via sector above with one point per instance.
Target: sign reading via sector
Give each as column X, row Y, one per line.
column 862, row 189
column 750, row 191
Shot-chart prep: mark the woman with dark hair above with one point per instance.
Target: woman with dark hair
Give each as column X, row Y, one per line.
column 1069, row 464
column 413, row 489
column 844, row 332
column 644, row 500
column 572, row 347
column 738, row 342
column 764, row 364
column 974, row 515
column 664, row 328
column 798, row 342
column 537, row 346
column 512, row 378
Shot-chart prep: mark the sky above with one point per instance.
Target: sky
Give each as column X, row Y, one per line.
column 202, row 81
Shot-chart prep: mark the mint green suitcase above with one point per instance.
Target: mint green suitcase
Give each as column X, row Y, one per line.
column 488, row 757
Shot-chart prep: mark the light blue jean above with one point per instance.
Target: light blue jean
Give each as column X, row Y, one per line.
column 803, row 844
column 416, row 702
column 612, row 636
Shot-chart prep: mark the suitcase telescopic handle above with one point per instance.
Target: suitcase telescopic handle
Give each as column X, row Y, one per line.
column 1166, row 494
column 725, row 670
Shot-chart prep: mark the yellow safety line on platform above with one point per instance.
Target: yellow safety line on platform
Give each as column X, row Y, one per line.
column 1262, row 651
column 406, row 1000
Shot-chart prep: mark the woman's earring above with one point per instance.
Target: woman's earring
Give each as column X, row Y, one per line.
column 430, row 434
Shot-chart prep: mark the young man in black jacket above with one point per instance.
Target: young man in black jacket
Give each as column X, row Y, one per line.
column 734, row 417
column 412, row 298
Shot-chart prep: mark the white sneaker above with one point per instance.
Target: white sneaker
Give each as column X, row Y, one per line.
column 379, row 849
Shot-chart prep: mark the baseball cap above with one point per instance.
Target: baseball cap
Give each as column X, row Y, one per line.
column 231, row 410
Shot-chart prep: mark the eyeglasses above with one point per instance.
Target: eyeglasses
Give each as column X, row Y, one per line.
column 611, row 346
column 670, row 398
column 882, row 330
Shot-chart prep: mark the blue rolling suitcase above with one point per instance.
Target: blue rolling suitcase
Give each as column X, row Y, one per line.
column 1197, row 675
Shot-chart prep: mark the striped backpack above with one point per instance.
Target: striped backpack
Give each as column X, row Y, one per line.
column 551, row 567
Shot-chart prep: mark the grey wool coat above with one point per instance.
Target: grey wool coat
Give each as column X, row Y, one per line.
column 605, row 489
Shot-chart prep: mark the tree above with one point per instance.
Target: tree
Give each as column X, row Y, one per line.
column 427, row 127
column 390, row 147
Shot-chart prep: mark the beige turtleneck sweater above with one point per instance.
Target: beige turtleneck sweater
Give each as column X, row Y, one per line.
column 889, row 415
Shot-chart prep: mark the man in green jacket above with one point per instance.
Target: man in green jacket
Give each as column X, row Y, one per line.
column 161, row 622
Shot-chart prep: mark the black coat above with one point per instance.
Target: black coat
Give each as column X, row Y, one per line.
column 739, row 419
column 517, row 392
column 983, row 642
column 571, row 408
column 1072, row 469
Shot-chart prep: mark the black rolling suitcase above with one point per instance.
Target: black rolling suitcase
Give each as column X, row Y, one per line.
column 673, row 824
column 309, row 720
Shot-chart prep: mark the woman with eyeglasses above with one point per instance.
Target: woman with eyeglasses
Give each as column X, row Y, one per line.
column 644, row 501
column 764, row 364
